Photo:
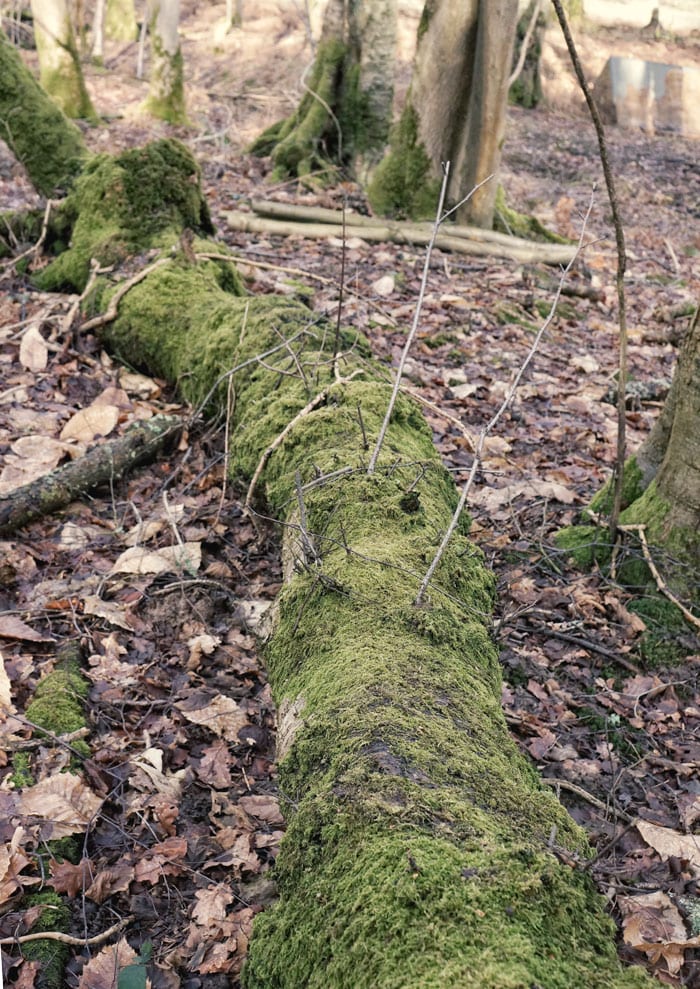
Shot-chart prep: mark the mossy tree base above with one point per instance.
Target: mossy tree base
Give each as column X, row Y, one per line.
column 309, row 138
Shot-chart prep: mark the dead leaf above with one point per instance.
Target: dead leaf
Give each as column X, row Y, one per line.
column 89, row 423
column 163, row 859
column 149, row 775
column 264, row 807
column 221, row 714
column 652, row 924
column 211, row 905
column 671, row 844
column 71, row 879
column 214, row 767
column 12, row 861
column 139, row 560
column 111, row 612
column 6, row 705
column 384, row 286
column 102, row 971
column 62, row 803
column 33, row 352
column 12, row 627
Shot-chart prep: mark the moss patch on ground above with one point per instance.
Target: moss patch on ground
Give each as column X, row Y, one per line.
column 402, row 185
column 52, row 954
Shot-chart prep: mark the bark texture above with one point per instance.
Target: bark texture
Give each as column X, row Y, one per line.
column 25, row 111
column 345, row 113
column 455, row 111
column 61, row 75
column 166, row 94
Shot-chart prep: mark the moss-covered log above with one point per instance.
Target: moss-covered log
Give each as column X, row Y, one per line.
column 419, row 849
column 49, row 146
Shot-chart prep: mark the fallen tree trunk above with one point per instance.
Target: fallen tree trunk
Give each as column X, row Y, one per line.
column 420, row 849
column 513, row 248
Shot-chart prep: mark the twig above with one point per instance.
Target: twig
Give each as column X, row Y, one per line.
column 586, row 644
column 112, row 309
column 306, row 543
column 495, row 418
column 414, row 326
column 585, row 795
column 279, row 440
column 35, row 248
column 526, row 43
column 78, row 942
column 336, row 341
column 621, row 265
column 660, row 583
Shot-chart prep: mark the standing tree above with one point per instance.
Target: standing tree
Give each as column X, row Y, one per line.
column 455, row 111
column 120, row 20
column 345, row 113
column 61, row 74
column 166, row 96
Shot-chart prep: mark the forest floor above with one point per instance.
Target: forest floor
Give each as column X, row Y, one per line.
column 180, row 792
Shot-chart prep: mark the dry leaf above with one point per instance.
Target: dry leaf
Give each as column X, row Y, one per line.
column 211, row 905
column 12, row 627
column 262, row 806
column 87, row 424
column 102, row 971
column 138, row 560
column 652, row 923
column 12, row 861
column 384, row 286
column 221, row 714
column 6, row 706
column 33, row 352
column 149, row 775
column 671, row 844
column 63, row 803
column 71, row 879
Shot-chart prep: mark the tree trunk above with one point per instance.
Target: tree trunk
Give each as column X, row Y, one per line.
column 166, row 96
column 661, row 489
column 61, row 74
column 420, row 848
column 53, row 162
column 455, row 111
column 345, row 113
column 120, row 20
column 98, row 32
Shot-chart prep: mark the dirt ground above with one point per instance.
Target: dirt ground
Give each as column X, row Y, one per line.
column 608, row 713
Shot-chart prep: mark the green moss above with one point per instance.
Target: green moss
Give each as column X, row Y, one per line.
column 632, row 488
column 124, row 204
column 66, row 85
column 57, row 705
column 53, row 161
column 509, row 221
column 403, row 750
column 53, row 955
column 21, row 770
column 308, row 139
column 403, row 184
column 584, row 544
column 166, row 98
column 668, row 638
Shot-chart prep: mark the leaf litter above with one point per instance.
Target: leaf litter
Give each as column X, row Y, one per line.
column 174, row 816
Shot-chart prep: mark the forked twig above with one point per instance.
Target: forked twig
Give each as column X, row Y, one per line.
column 495, row 418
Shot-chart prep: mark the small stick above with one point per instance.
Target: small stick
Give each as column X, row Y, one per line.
column 78, row 942
column 495, row 418
column 585, row 795
column 660, row 583
column 526, row 43
column 414, row 327
column 35, row 248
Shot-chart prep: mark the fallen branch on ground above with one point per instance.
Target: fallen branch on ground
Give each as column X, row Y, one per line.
column 140, row 443
column 522, row 251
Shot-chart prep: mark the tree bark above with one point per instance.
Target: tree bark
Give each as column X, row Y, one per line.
column 166, row 95
column 61, row 74
column 120, row 20
column 25, row 111
column 455, row 111
column 345, row 113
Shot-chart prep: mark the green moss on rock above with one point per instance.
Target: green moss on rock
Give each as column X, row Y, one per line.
column 57, row 705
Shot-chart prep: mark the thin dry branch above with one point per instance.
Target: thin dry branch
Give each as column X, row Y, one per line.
column 621, row 266
column 494, row 419
column 526, row 43
column 660, row 582
column 79, row 942
column 522, row 251
column 113, row 308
